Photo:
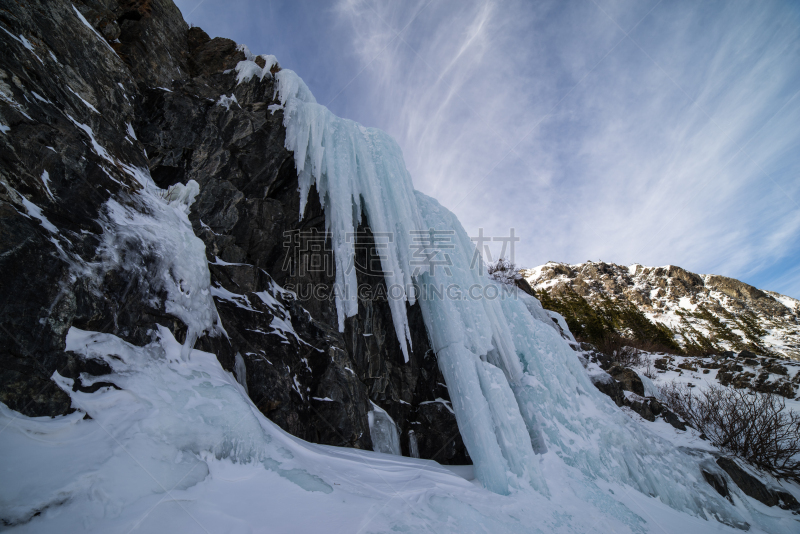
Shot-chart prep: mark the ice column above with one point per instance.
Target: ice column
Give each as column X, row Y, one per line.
column 383, row 431
column 354, row 169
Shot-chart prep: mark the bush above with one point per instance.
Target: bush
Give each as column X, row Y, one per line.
column 756, row 427
column 504, row 271
column 619, row 349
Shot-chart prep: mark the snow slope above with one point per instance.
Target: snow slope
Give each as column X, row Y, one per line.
column 180, row 448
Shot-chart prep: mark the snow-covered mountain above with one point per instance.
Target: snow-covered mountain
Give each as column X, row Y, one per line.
column 201, row 333
column 706, row 312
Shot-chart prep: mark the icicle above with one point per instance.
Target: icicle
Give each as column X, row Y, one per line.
column 354, row 169
column 413, row 448
column 383, row 431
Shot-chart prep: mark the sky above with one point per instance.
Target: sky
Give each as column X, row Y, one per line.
column 647, row 131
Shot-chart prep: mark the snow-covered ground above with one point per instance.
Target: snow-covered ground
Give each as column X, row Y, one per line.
column 704, row 377
column 180, row 448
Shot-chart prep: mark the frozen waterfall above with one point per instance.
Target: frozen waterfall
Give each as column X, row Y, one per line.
column 517, row 387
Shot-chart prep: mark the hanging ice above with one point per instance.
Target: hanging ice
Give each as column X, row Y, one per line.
column 516, row 386
column 383, row 431
column 413, row 447
column 355, row 170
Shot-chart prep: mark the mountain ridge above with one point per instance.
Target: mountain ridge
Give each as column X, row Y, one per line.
column 703, row 312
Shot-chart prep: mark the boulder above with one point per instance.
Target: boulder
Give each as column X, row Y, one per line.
column 752, row 487
column 673, row 419
column 628, row 378
column 642, row 407
column 610, row 387
column 718, row 482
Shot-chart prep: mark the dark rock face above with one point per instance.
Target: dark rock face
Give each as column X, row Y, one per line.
column 612, row 388
column 718, row 482
column 642, row 407
column 49, row 161
column 628, row 378
column 673, row 419
column 756, row 489
column 620, row 379
column 166, row 81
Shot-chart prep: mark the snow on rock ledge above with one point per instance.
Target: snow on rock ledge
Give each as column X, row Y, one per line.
column 151, row 239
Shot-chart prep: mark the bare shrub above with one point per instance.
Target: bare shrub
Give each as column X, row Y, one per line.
column 504, row 271
column 649, row 371
column 756, row 427
column 652, row 346
column 619, row 349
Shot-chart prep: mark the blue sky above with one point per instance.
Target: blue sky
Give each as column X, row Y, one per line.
column 625, row 131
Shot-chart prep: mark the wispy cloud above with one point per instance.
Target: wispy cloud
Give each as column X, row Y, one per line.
column 676, row 144
column 628, row 131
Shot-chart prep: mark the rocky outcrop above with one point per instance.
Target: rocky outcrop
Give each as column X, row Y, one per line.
column 717, row 481
column 616, row 380
column 704, row 313
column 62, row 88
column 610, row 387
column 628, row 378
column 84, row 105
column 753, row 487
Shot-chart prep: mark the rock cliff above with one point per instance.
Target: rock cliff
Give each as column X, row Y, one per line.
column 93, row 93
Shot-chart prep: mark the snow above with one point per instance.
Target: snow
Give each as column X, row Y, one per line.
column 36, row 212
column 9, row 98
column 227, row 101
column 196, row 455
column 281, row 320
column 131, row 133
column 240, row 301
column 97, row 147
column 441, row 401
column 33, row 211
column 87, row 104
column 152, row 239
column 383, row 431
column 23, row 41
column 789, row 302
column 86, row 23
column 217, row 260
column 248, row 69
column 39, row 97
column 686, row 304
column 562, row 323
